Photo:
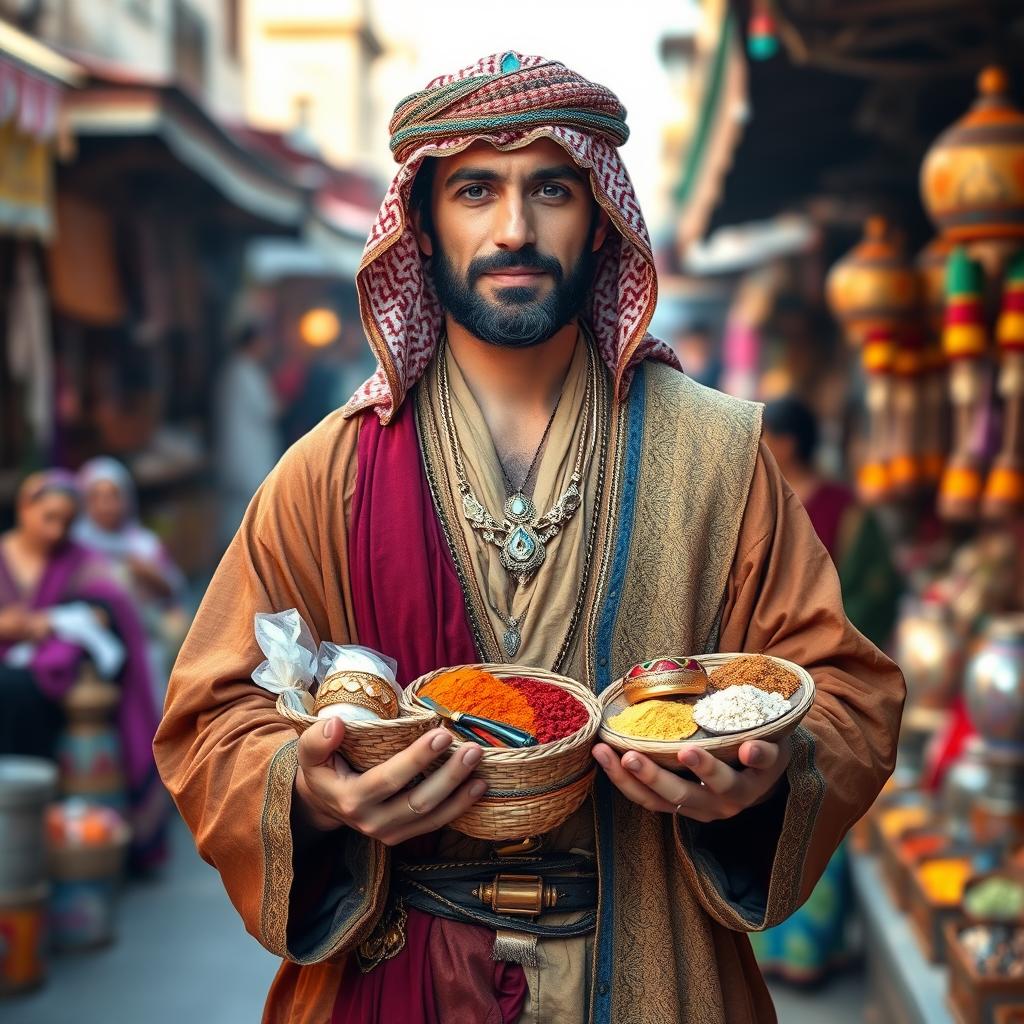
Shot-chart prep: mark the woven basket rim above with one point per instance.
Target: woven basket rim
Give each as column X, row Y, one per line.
column 582, row 736
column 719, row 740
column 408, row 715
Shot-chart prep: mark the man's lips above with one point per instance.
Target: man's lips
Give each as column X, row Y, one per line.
column 514, row 277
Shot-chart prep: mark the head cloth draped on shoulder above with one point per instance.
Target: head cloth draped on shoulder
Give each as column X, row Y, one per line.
column 507, row 100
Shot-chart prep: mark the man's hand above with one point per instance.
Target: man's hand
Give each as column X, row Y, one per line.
column 725, row 791
column 378, row 803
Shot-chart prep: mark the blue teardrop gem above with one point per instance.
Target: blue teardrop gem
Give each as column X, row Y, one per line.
column 509, row 63
column 521, row 546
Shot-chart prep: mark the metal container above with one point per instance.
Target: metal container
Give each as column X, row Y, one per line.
column 23, row 939
column 995, row 683
column 27, row 785
column 930, row 653
column 964, row 785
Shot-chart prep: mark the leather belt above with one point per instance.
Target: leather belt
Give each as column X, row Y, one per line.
column 513, row 892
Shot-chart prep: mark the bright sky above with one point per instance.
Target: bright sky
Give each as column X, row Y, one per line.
column 615, row 44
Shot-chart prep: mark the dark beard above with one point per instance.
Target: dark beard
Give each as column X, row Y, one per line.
column 517, row 319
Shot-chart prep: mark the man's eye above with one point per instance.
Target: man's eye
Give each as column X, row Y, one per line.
column 552, row 191
column 474, row 191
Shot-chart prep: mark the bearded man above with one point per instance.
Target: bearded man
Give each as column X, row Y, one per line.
column 506, row 290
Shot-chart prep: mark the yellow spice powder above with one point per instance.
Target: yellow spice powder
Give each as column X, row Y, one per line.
column 944, row 880
column 655, row 720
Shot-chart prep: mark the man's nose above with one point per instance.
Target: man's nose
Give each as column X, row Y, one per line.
column 513, row 225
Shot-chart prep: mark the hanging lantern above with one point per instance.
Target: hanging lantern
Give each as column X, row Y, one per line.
column 1004, row 489
column 965, row 343
column 873, row 287
column 878, row 352
column 907, row 440
column 971, row 180
column 931, row 274
column 934, row 418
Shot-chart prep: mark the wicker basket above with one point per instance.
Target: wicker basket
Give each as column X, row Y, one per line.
column 533, row 790
column 727, row 747
column 366, row 744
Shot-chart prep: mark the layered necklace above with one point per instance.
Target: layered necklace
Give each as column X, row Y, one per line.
column 522, row 536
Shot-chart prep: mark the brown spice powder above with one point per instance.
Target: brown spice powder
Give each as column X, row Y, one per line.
column 755, row 670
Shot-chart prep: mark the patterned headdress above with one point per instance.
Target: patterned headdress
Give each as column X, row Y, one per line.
column 509, row 101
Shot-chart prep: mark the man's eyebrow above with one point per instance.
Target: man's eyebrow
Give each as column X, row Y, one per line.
column 471, row 174
column 465, row 174
column 559, row 171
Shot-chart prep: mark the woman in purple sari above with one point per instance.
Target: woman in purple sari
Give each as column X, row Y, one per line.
column 58, row 606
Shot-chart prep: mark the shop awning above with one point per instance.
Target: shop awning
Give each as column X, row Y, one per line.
column 115, row 106
column 33, row 79
column 719, row 125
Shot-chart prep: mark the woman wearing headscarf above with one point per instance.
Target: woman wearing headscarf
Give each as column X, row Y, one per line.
column 110, row 526
column 59, row 605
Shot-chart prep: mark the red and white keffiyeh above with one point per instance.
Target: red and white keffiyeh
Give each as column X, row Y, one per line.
column 400, row 311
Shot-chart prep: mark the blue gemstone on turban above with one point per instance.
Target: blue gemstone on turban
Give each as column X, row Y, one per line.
column 509, row 63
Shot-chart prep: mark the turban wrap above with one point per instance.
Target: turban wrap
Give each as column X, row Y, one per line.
column 507, row 100
column 546, row 93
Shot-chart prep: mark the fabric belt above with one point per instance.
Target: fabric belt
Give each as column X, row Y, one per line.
column 512, row 893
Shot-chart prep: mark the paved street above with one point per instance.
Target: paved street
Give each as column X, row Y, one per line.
column 182, row 957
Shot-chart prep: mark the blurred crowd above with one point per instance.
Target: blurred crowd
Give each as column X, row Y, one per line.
column 87, row 590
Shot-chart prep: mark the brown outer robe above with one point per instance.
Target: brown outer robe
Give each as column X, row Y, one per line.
column 229, row 759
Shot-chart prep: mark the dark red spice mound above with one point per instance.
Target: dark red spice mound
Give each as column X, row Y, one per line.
column 558, row 714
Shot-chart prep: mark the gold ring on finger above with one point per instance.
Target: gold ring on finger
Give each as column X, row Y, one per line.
column 408, row 802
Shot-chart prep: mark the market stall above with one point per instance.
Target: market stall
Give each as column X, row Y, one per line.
column 896, row 130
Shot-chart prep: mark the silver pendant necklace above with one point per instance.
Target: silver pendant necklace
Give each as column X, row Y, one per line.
column 522, row 537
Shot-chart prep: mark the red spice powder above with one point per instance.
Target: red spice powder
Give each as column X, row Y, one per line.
column 919, row 846
column 558, row 714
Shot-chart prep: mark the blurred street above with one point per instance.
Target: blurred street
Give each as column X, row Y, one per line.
column 182, row 955
column 223, row 228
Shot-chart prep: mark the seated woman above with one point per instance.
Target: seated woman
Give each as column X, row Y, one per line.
column 109, row 526
column 59, row 604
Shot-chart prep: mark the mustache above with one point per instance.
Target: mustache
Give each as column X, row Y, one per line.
column 527, row 258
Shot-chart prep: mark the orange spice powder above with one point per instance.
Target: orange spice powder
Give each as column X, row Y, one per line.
column 474, row 692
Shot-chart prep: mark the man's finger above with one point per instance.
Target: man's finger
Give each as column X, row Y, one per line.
column 761, row 756
column 438, row 785
column 683, row 797
column 319, row 743
column 716, row 775
column 384, row 780
column 628, row 783
column 446, row 812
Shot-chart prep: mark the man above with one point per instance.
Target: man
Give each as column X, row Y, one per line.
column 506, row 290
column 248, row 443
column 852, row 534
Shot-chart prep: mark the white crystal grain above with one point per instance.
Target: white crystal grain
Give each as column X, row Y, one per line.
column 737, row 708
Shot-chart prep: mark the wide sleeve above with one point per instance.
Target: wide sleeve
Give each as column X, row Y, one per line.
column 227, row 757
column 783, row 598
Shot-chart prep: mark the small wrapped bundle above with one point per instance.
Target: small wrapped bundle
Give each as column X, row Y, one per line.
column 290, row 665
column 352, row 683
column 355, row 684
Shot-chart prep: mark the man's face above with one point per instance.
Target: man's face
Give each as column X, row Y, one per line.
column 512, row 239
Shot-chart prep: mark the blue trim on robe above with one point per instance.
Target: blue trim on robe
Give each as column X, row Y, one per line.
column 602, row 996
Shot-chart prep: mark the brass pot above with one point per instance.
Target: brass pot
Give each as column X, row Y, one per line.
column 971, row 180
column 873, row 287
